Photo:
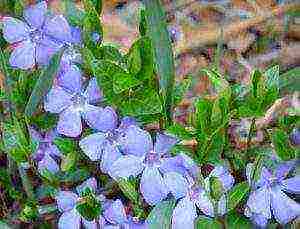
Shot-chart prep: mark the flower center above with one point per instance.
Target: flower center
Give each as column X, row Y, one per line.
column 79, row 101
column 152, row 158
column 71, row 55
column 36, row 36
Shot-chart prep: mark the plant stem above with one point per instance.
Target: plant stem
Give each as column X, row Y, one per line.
column 26, row 182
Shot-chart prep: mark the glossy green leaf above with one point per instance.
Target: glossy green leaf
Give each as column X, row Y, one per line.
column 203, row 114
column 281, row 143
column 159, row 35
column 68, row 161
column 123, row 82
column 89, row 206
column 129, row 190
column 204, row 222
column 160, row 216
column 272, row 77
column 237, row 194
column 143, row 103
column 43, row 84
column 65, row 145
column 181, row 89
column 236, row 221
column 180, row 131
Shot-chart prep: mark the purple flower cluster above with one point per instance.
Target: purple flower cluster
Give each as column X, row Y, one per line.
column 123, row 148
column 113, row 216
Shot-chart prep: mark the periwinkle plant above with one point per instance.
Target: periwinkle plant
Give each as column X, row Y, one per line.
column 102, row 101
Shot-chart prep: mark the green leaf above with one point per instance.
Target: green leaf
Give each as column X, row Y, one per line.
column 143, row 23
column 110, row 53
column 204, row 222
column 124, row 81
column 236, row 194
column 143, row 103
column 256, row 80
column 98, row 5
column 272, row 77
column 236, row 221
column 179, row 131
column 65, row 145
column 89, row 206
column 203, row 114
column 140, row 59
column 181, row 89
column 290, row 81
column 91, row 24
column 282, row 147
column 216, row 188
column 74, row 15
column 129, row 190
column 68, row 161
column 159, row 35
column 160, row 216
column 43, row 84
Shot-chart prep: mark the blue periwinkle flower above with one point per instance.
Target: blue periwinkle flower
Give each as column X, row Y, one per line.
column 72, row 101
column 268, row 195
column 36, row 39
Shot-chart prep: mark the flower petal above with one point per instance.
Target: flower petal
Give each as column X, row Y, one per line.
column 57, row 100
column 89, row 224
column 177, row 184
column 34, row 134
column 66, row 200
column 48, row 163
column 264, row 178
column 184, row 215
column 93, row 145
column 100, row 119
column 70, row 220
column 89, row 183
column 204, row 204
column 35, row 14
column 71, row 79
column 58, row 28
column 225, row 177
column 152, row 186
column 164, row 143
column 136, row 141
column 23, row 56
column 52, row 150
column 93, row 92
column 284, row 208
column 115, row 214
column 127, row 166
column 14, row 30
column 46, row 49
column 259, row 202
column 69, row 123
column 292, row 185
column 110, row 154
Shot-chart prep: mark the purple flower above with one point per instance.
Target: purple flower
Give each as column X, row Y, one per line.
column 113, row 216
column 268, row 197
column 195, row 196
column 38, row 38
column 68, row 99
column 141, row 157
column 105, row 145
column 46, row 153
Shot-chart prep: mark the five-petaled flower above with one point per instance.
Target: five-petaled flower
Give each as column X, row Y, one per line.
column 71, row 101
column 38, row 38
column 267, row 196
column 195, row 196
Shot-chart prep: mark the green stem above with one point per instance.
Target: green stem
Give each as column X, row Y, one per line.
column 26, row 182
